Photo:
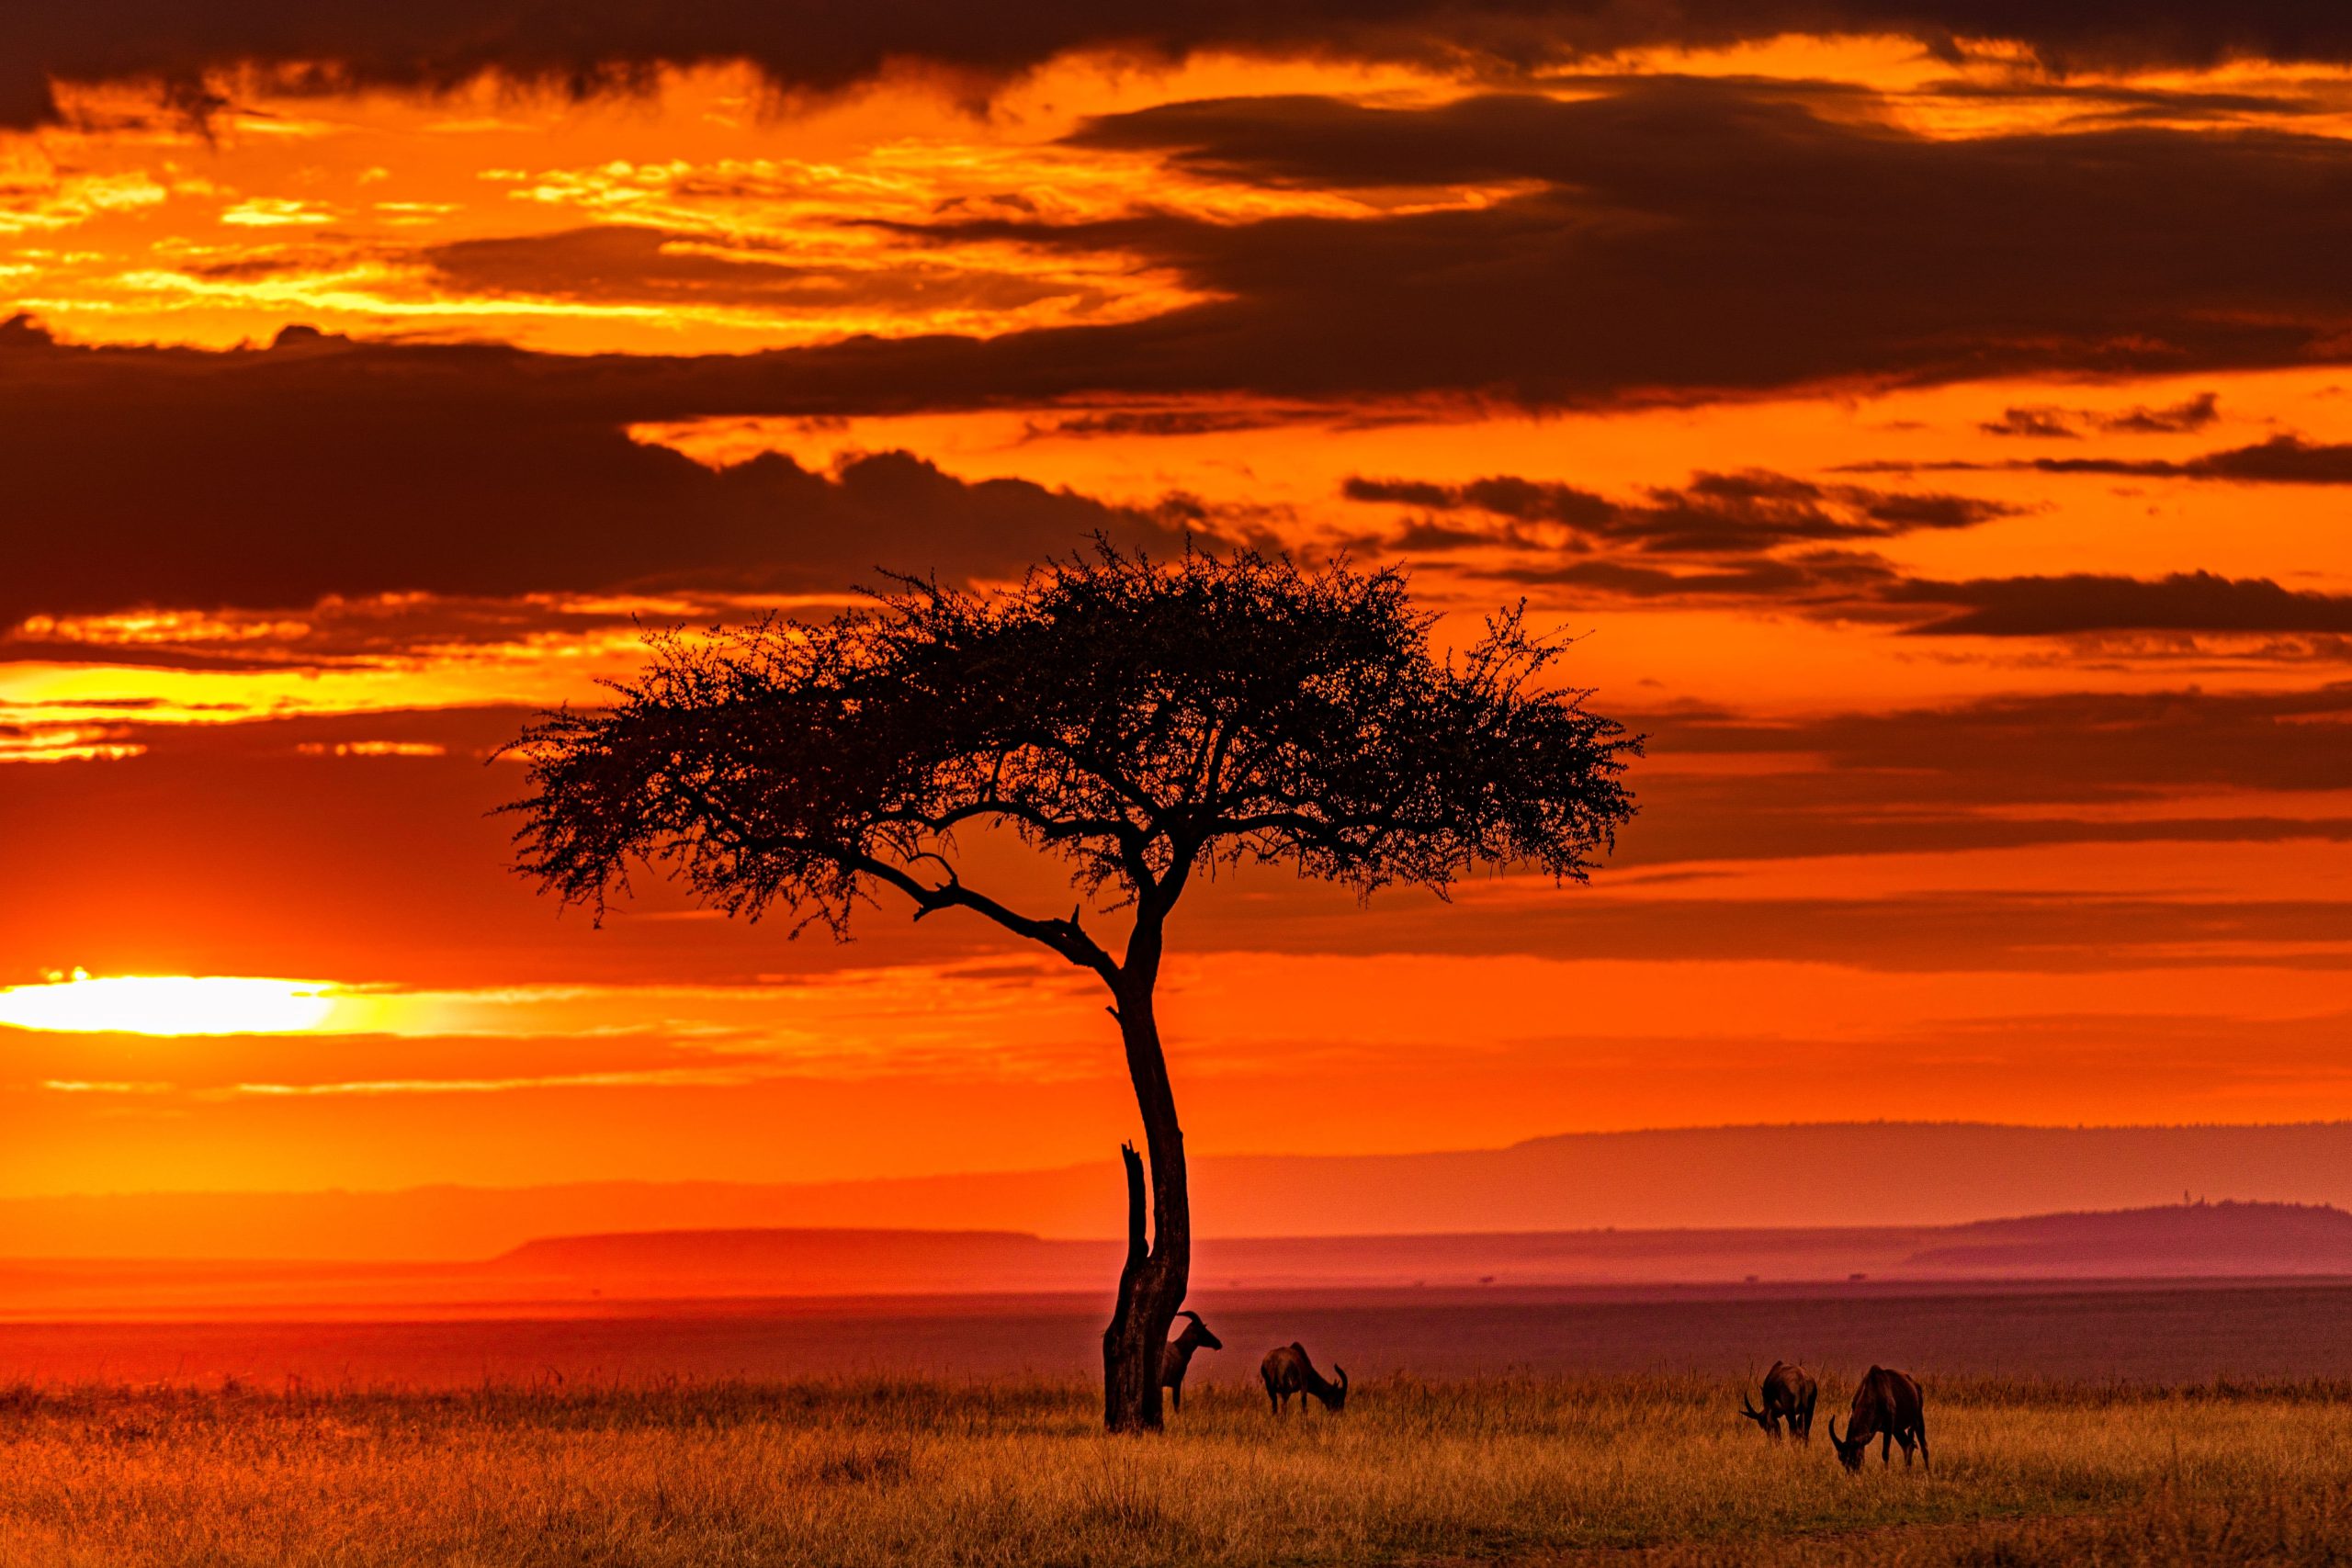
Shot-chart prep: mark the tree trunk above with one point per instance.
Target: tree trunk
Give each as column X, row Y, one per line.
column 1152, row 1284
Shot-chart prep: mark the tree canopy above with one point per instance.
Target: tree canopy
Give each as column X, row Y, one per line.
column 1141, row 719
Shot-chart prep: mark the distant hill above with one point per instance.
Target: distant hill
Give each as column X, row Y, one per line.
column 2175, row 1241
column 600, row 1272
column 1892, row 1173
column 2179, row 1240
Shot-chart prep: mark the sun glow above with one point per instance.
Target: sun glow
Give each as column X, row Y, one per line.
column 167, row 1004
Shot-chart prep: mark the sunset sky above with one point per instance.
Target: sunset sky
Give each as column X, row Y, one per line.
column 1935, row 420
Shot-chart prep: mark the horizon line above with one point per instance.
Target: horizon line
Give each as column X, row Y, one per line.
column 1921, row 1123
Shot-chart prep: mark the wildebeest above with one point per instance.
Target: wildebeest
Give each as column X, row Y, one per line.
column 1286, row 1370
column 1179, row 1355
column 1788, row 1397
column 1886, row 1406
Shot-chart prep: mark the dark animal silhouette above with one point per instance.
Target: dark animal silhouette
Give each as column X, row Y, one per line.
column 1787, row 1398
column 1886, row 1406
column 1286, row 1370
column 1179, row 1355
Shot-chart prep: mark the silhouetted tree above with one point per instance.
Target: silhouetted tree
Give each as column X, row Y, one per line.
column 1144, row 721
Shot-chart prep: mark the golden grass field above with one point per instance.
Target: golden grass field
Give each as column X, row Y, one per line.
column 913, row 1474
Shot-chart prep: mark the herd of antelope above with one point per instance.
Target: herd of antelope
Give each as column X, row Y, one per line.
column 1285, row 1371
column 1887, row 1405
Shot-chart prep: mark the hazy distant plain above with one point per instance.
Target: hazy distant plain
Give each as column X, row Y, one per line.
column 2172, row 1334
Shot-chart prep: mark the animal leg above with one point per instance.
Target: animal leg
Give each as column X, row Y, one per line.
column 1922, row 1429
column 1886, row 1447
column 1176, row 1396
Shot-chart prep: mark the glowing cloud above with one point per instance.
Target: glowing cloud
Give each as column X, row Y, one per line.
column 167, row 1004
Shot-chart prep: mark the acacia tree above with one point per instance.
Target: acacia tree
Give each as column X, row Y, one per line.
column 1145, row 722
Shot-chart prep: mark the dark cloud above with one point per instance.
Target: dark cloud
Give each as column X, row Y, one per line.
column 342, row 632
column 2094, row 103
column 622, row 263
column 1769, row 538
column 2078, row 746
column 2084, row 602
column 2048, row 420
column 2176, row 616
column 2075, row 933
column 276, row 477
column 2001, row 774
column 1825, row 582
column 1721, row 789
column 1681, row 238
column 1787, row 543
column 1729, row 513
column 587, row 46
column 2042, row 421
column 1152, row 422
column 1671, row 239
column 2195, row 413
column 2283, row 459
column 1522, row 500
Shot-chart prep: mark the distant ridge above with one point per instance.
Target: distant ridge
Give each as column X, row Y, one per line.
column 2173, row 1241
column 1886, row 1173
column 601, row 1272
column 2184, row 1239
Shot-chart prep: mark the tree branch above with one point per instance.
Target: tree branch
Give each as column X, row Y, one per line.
column 1066, row 936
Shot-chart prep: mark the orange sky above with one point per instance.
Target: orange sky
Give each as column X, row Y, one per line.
column 1940, row 448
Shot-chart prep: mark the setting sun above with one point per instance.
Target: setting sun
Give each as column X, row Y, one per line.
column 167, row 1004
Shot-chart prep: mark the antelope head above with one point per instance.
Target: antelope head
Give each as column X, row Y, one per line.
column 1761, row 1417
column 1198, row 1332
column 1339, row 1401
column 1850, row 1453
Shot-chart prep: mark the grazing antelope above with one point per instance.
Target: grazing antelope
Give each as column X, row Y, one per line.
column 1286, row 1370
column 1886, row 1406
column 1179, row 1355
column 1788, row 1397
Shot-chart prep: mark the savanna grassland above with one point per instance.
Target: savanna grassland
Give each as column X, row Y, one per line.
column 878, row 1473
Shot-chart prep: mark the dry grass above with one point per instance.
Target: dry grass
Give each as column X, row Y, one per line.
column 930, row 1473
